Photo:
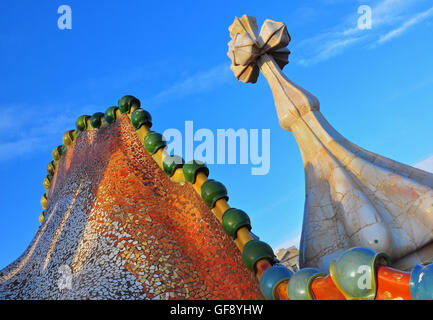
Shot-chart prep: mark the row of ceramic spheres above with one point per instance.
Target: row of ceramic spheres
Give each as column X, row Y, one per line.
column 276, row 281
column 257, row 255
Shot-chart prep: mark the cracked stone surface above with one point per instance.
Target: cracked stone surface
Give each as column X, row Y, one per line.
column 353, row 197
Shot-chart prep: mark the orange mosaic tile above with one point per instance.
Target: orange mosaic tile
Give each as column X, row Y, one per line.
column 131, row 232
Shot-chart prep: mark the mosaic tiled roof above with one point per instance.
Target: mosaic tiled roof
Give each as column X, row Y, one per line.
column 123, row 227
column 125, row 220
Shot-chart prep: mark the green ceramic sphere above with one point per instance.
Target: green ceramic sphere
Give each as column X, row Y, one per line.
column 421, row 282
column 141, row 117
column 96, row 120
column 44, row 201
column 354, row 272
column 42, row 217
column 68, row 138
column 153, row 141
column 81, row 122
column 47, row 182
column 171, row 163
column 212, row 191
column 254, row 251
column 127, row 102
column 51, row 168
column 299, row 287
column 233, row 220
column 58, row 152
column 75, row 134
column 271, row 278
column 191, row 168
column 110, row 114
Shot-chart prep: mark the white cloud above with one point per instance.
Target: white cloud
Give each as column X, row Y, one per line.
column 426, row 165
column 389, row 11
column 391, row 18
column 25, row 130
column 328, row 50
column 12, row 149
column 400, row 30
column 197, row 83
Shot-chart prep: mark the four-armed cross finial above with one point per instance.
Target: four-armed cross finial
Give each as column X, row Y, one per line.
column 251, row 52
column 353, row 197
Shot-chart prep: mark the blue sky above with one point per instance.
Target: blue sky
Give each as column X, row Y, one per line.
column 375, row 87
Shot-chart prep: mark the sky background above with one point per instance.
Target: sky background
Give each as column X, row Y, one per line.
column 375, row 87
